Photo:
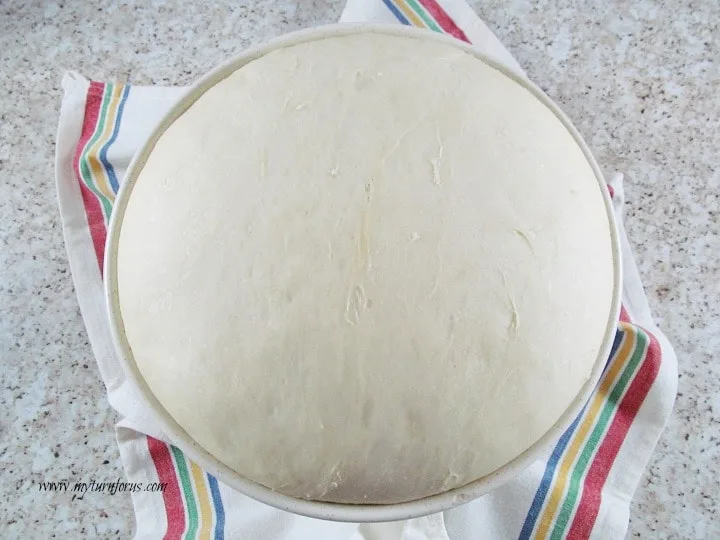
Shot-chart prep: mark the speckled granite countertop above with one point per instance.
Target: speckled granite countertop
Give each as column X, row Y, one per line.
column 641, row 80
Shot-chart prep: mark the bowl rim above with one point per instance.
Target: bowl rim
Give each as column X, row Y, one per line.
column 318, row 509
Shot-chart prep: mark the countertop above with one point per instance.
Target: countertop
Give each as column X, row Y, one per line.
column 639, row 79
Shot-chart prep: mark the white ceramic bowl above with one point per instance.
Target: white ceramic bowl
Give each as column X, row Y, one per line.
column 324, row 510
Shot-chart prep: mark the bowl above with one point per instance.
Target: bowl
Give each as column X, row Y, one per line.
column 318, row 509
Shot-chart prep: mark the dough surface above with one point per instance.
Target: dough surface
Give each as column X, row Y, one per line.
column 366, row 269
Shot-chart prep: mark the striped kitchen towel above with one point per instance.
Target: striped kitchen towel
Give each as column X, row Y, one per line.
column 581, row 490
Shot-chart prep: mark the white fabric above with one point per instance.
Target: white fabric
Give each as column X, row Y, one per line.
column 499, row 514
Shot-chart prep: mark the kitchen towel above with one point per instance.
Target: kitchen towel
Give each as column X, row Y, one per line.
column 581, row 490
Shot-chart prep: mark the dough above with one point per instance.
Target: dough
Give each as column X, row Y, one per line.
column 366, row 269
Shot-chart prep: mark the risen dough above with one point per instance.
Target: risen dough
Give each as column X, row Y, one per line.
column 366, row 269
